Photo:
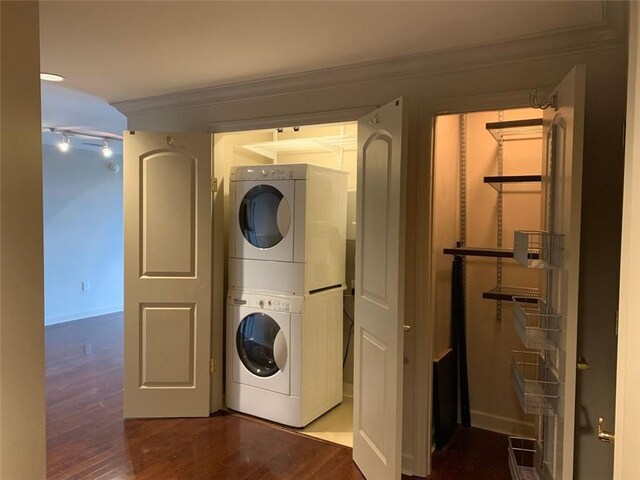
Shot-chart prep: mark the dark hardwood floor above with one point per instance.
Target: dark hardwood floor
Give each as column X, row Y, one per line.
column 472, row 454
column 87, row 438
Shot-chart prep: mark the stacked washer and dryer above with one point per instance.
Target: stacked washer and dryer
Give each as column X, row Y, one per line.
column 286, row 281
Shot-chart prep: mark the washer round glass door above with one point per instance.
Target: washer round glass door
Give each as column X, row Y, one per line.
column 264, row 216
column 261, row 345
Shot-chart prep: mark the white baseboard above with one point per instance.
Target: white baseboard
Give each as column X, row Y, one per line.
column 504, row 425
column 69, row 317
column 408, row 464
column 347, row 390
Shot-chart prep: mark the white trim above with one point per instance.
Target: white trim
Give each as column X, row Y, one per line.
column 625, row 463
column 408, row 462
column 500, row 424
column 608, row 32
column 69, row 317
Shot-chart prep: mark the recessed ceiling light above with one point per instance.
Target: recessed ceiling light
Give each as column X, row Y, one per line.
column 51, row 77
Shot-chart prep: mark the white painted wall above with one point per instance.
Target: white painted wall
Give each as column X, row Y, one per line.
column 82, row 234
column 22, row 401
column 626, row 465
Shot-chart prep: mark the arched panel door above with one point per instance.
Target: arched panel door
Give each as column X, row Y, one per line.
column 378, row 338
column 167, row 278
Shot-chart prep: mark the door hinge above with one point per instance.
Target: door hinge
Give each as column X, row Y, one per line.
column 212, row 365
column 214, row 184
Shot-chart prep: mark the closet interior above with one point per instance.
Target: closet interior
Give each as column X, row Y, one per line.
column 327, row 145
column 492, row 260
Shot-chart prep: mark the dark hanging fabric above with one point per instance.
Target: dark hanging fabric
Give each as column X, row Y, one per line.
column 459, row 337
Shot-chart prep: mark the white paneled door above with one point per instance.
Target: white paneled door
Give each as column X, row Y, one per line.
column 562, row 196
column 378, row 364
column 167, row 275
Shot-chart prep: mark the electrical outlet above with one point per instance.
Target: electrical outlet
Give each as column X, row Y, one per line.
column 86, row 286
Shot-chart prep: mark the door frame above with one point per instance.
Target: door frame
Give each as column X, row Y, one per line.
column 626, row 447
column 414, row 463
column 425, row 307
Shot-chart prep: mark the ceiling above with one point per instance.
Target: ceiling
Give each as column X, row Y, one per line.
column 119, row 50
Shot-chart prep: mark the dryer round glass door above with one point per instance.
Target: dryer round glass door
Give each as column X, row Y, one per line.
column 265, row 216
column 261, row 345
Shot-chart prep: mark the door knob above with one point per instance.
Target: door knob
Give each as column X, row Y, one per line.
column 582, row 363
column 407, row 328
column 606, row 437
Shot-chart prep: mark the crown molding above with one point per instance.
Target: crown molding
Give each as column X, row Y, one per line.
column 610, row 32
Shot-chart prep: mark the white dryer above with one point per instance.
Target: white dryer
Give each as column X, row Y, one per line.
column 284, row 355
column 287, row 227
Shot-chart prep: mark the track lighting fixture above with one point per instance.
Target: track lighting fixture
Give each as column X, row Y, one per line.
column 65, row 144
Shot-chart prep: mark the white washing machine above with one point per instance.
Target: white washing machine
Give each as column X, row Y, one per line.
column 284, row 355
column 288, row 224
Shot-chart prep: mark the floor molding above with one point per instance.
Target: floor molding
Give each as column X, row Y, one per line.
column 500, row 424
column 70, row 317
column 347, row 390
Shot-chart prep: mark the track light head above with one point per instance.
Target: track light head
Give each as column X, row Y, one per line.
column 65, row 143
column 106, row 151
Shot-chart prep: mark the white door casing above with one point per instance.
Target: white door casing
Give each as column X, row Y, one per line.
column 378, row 335
column 626, row 465
column 167, row 274
column 562, row 152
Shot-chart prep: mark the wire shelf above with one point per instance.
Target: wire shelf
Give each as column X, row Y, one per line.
column 514, row 183
column 524, row 457
column 549, row 247
column 333, row 143
column 515, row 129
column 534, row 383
column 503, row 292
column 536, row 323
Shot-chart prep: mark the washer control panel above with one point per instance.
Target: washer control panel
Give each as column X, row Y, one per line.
column 268, row 302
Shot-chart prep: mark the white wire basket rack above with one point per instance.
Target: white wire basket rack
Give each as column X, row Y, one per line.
column 538, row 249
column 535, row 384
column 536, row 323
column 525, row 460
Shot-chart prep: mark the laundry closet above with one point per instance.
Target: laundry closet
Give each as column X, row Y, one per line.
column 491, row 320
column 289, row 211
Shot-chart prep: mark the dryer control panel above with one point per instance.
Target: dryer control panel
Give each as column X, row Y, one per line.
column 267, row 172
column 263, row 301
